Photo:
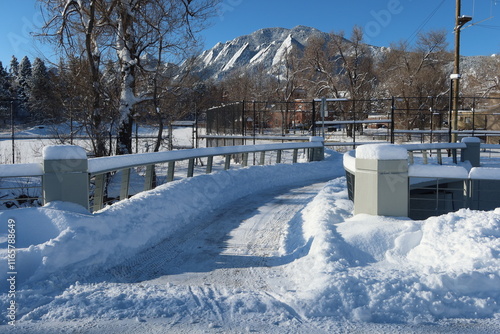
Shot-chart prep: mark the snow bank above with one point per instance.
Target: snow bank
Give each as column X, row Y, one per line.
column 387, row 270
column 80, row 241
column 381, row 152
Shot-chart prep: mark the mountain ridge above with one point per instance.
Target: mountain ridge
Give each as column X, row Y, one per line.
column 262, row 47
column 263, row 50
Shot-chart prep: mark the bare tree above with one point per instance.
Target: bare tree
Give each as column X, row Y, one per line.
column 319, row 69
column 356, row 72
column 414, row 74
column 77, row 28
column 131, row 29
column 485, row 79
column 340, row 68
column 139, row 27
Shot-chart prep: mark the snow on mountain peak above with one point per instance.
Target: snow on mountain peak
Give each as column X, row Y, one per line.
column 265, row 47
column 284, row 49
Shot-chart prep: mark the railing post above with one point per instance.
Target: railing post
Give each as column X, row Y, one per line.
column 317, row 153
column 148, row 178
column 262, row 158
column 472, row 152
column 100, row 184
column 295, row 155
column 66, row 176
column 424, row 155
column 244, row 162
column 381, row 186
column 210, row 162
column 190, row 171
column 227, row 162
column 170, row 171
column 125, row 183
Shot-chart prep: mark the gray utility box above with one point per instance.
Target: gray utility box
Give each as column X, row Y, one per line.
column 381, row 187
column 66, row 178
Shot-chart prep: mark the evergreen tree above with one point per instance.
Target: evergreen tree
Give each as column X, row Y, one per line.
column 4, row 95
column 4, row 83
column 41, row 96
column 13, row 74
column 22, row 87
column 14, row 67
column 24, row 78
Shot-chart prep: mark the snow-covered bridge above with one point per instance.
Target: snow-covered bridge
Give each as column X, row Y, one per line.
column 269, row 249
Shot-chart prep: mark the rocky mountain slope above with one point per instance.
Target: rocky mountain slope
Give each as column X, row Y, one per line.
column 262, row 49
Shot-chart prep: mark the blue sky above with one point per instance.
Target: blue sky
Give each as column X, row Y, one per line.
column 384, row 21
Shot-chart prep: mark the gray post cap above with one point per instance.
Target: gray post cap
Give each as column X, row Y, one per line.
column 381, row 152
column 64, row 159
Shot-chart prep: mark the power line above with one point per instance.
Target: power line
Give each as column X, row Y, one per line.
column 424, row 23
column 488, row 26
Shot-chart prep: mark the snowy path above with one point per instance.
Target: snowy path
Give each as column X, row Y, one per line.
column 239, row 246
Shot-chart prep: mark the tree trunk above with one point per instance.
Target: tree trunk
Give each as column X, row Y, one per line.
column 124, row 136
column 160, row 134
column 93, row 58
column 126, row 51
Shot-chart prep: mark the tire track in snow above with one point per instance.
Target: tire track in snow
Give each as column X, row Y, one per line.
column 239, row 246
column 238, row 250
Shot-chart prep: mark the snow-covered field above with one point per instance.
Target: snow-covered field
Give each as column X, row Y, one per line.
column 270, row 249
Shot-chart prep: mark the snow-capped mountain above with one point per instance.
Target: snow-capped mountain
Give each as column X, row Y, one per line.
column 264, row 48
column 264, row 51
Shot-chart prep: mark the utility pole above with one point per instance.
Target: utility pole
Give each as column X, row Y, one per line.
column 12, row 132
column 455, row 77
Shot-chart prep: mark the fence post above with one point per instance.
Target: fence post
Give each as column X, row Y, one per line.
column 472, row 152
column 66, row 176
column 317, row 153
column 381, row 186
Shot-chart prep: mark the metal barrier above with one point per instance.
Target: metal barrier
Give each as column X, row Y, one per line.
column 21, row 185
column 433, row 197
column 432, row 189
column 68, row 175
column 99, row 168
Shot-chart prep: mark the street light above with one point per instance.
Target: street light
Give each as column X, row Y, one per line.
column 461, row 20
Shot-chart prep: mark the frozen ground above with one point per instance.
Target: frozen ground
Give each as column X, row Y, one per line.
column 270, row 249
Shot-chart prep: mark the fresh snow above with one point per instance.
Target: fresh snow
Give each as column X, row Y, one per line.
column 438, row 171
column 485, row 173
column 283, row 51
column 381, row 152
column 471, row 140
column 271, row 249
column 259, row 57
column 63, row 152
column 16, row 170
column 350, row 160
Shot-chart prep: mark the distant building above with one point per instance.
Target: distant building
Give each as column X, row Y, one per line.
column 485, row 120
